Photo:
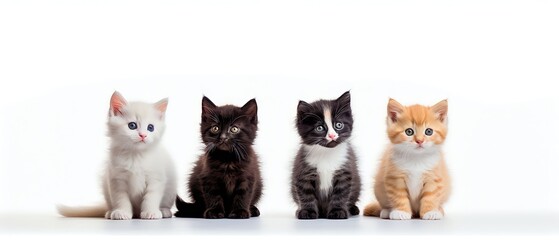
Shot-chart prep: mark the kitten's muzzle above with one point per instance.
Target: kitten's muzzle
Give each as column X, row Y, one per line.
column 224, row 144
column 331, row 144
column 223, row 140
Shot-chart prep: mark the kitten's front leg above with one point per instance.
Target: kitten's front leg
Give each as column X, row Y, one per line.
column 306, row 194
column 337, row 207
column 213, row 199
column 152, row 199
column 241, row 199
column 431, row 195
column 120, row 201
column 397, row 194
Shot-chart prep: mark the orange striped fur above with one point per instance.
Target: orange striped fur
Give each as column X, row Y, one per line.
column 412, row 179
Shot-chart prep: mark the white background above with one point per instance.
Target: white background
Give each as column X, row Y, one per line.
column 496, row 62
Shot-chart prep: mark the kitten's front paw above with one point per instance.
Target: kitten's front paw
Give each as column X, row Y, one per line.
column 239, row 214
column 214, row 214
column 353, row 210
column 337, row 214
column 399, row 215
column 166, row 212
column 254, row 212
column 385, row 213
column 121, row 215
column 307, row 214
column 151, row 214
column 432, row 215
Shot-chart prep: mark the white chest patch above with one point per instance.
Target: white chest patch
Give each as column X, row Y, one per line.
column 415, row 165
column 133, row 172
column 326, row 161
column 414, row 184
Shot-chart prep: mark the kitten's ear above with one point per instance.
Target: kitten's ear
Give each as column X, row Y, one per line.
column 440, row 110
column 251, row 108
column 117, row 103
column 162, row 105
column 394, row 109
column 207, row 105
column 345, row 99
column 303, row 107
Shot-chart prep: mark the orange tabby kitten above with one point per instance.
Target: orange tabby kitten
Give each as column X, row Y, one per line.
column 412, row 179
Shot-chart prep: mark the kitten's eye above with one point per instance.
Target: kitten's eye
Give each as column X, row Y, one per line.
column 409, row 132
column 132, row 125
column 338, row 126
column 234, row 130
column 151, row 127
column 214, row 129
column 428, row 131
column 319, row 129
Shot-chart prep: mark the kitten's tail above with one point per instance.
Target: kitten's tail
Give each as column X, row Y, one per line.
column 188, row 210
column 90, row 211
column 372, row 210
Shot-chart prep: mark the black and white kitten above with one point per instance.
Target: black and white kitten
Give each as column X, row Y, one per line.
column 225, row 182
column 325, row 179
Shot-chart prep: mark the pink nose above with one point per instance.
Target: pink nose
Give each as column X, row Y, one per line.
column 143, row 136
column 419, row 141
column 332, row 136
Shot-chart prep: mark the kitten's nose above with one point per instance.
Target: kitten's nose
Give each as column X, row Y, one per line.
column 143, row 136
column 419, row 141
column 332, row 136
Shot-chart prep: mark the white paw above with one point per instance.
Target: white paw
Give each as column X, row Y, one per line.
column 385, row 213
column 433, row 215
column 399, row 215
column 166, row 212
column 120, row 215
column 153, row 214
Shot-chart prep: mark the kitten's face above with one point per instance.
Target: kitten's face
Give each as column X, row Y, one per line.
column 229, row 128
column 325, row 122
column 136, row 125
column 417, row 128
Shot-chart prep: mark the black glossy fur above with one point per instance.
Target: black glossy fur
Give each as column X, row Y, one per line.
column 226, row 181
column 339, row 203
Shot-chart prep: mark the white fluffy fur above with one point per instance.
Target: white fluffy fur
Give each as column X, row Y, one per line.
column 140, row 179
column 399, row 215
column 385, row 213
column 329, row 125
column 415, row 162
column 327, row 161
column 433, row 215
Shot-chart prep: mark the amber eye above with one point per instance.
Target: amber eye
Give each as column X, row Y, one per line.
column 409, row 132
column 234, row 130
column 214, row 129
column 428, row 131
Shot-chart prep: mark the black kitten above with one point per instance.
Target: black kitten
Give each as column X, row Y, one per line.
column 225, row 182
column 325, row 180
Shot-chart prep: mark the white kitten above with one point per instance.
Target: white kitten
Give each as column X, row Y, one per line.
column 140, row 178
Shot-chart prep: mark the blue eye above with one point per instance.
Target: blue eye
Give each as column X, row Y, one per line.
column 319, row 128
column 409, row 132
column 339, row 126
column 151, row 128
column 132, row 125
column 428, row 131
